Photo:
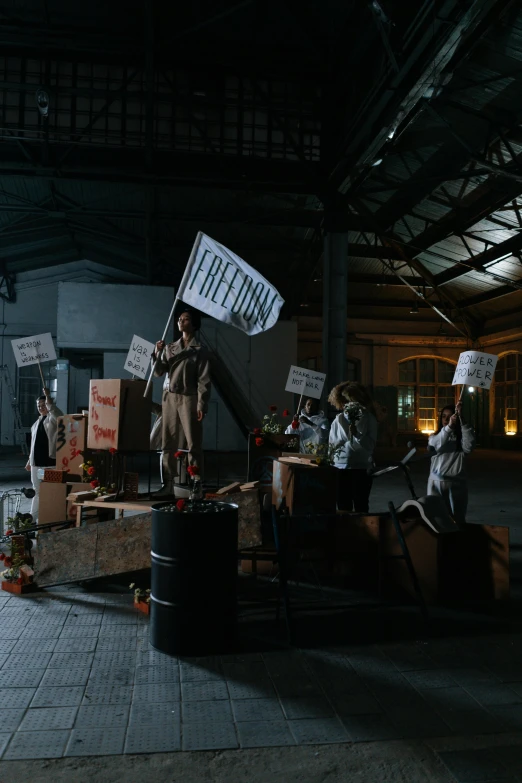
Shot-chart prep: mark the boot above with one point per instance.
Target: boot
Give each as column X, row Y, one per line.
column 165, row 492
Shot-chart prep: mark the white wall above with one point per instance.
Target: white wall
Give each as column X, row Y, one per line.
column 260, row 364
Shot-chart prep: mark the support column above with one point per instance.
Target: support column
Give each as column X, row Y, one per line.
column 335, row 296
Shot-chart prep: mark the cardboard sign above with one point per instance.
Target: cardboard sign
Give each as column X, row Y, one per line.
column 475, row 369
column 71, row 439
column 32, row 350
column 139, row 356
column 119, row 415
column 306, row 382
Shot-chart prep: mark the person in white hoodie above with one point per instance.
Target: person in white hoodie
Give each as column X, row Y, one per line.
column 354, row 434
column 43, row 444
column 447, row 477
column 311, row 425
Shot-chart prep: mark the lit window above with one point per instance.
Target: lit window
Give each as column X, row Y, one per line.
column 508, row 395
column 424, row 389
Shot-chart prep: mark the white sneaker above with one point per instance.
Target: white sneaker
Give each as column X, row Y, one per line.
column 164, row 492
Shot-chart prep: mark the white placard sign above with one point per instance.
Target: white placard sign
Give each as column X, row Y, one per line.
column 303, row 381
column 475, row 368
column 33, row 350
column 139, row 356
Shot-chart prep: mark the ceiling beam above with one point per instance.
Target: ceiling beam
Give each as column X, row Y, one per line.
column 442, row 38
column 487, row 296
column 114, row 164
column 477, row 263
column 482, row 202
column 386, row 280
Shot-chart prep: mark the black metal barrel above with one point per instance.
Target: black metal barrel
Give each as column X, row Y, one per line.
column 193, row 607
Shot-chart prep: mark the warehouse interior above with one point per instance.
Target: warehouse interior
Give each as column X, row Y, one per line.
column 365, row 157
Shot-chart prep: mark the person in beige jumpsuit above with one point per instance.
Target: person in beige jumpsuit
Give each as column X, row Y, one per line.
column 185, row 402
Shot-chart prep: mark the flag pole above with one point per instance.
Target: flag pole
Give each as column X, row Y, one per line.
column 176, row 300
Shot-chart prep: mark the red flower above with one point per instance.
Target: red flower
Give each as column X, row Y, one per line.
column 9, row 532
column 285, row 413
column 295, row 425
column 2, row 556
column 19, row 581
column 272, row 408
column 95, row 483
column 8, row 561
column 180, row 505
column 193, row 470
column 257, row 431
column 91, row 471
column 179, row 454
column 259, row 441
column 112, row 450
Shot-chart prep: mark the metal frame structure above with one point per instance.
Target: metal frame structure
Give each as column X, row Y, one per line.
column 121, row 135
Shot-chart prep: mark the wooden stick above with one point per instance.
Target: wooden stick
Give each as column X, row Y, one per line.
column 41, row 373
column 299, row 404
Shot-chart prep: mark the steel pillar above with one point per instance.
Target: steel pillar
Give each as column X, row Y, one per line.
column 335, row 297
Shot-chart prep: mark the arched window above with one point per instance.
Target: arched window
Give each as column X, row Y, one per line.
column 508, row 395
column 424, row 388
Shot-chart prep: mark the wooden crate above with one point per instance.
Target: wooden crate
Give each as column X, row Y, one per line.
column 304, row 489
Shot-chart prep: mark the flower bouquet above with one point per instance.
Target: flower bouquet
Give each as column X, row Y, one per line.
column 324, row 453
column 353, row 412
column 271, row 431
column 89, row 475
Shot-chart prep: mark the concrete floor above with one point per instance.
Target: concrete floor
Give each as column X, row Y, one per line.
column 368, row 696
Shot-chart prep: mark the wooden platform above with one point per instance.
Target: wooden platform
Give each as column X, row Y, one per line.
column 103, row 549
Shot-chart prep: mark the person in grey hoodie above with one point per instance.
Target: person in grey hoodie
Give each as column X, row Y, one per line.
column 447, row 477
column 354, row 437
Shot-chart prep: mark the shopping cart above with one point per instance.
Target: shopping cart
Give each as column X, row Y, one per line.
column 10, row 501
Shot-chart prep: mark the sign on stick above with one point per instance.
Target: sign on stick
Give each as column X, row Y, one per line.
column 139, row 356
column 303, row 381
column 33, row 350
column 475, row 368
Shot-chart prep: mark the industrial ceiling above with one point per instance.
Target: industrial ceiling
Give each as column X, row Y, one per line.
column 127, row 127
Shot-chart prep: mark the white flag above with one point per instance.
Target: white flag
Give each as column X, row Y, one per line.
column 221, row 284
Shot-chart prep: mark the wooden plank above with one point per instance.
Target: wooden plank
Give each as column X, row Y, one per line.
column 66, row 556
column 124, row 546
column 135, row 505
column 229, row 489
column 113, row 547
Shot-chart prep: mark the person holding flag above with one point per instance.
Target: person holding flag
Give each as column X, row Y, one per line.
column 185, row 401
column 222, row 285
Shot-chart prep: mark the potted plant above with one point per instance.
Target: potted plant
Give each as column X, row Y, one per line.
column 18, row 576
column 141, row 598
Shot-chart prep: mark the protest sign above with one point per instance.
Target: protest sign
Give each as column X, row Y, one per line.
column 305, row 382
column 219, row 283
column 475, row 368
column 139, row 356
column 33, row 350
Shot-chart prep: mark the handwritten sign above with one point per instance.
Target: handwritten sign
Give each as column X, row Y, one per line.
column 32, row 350
column 71, row 437
column 303, row 381
column 475, row 368
column 139, row 356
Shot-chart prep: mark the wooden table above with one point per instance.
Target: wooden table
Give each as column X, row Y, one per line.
column 118, row 505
